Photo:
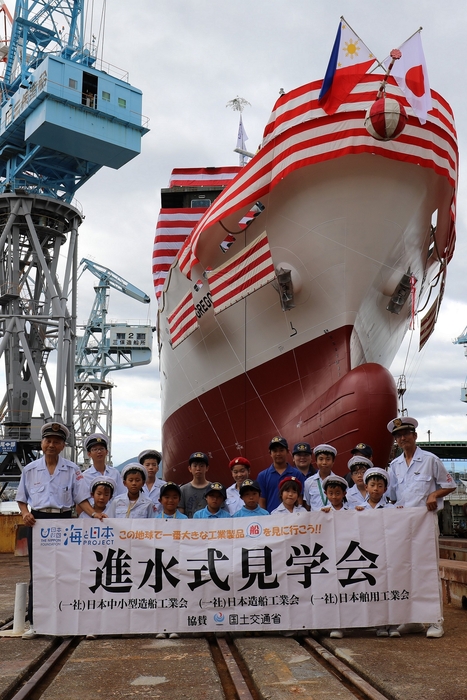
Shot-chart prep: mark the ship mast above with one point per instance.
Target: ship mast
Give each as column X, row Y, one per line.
column 238, row 104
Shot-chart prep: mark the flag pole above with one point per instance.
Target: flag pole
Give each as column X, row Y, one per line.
column 404, row 42
column 412, row 35
column 360, row 39
column 395, row 55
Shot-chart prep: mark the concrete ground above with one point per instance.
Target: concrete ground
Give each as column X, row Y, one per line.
column 409, row 668
column 13, row 570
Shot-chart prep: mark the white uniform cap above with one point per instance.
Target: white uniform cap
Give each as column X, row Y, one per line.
column 96, row 439
column 147, row 454
column 334, row 479
column 404, row 423
column 324, row 448
column 359, row 459
column 373, row 471
column 137, row 467
column 55, row 430
column 104, row 481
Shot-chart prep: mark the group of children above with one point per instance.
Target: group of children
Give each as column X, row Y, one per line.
column 324, row 491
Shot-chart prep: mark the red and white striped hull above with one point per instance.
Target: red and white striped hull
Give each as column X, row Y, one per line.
column 348, row 227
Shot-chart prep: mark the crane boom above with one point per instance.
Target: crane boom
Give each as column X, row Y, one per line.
column 103, row 348
column 108, row 278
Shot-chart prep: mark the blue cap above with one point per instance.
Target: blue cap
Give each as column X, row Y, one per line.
column 198, row 457
column 249, row 484
column 278, row 441
column 302, row 448
column 216, row 487
column 362, row 449
column 170, row 486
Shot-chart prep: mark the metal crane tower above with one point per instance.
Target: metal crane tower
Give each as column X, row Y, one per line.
column 105, row 347
column 462, row 340
column 63, row 115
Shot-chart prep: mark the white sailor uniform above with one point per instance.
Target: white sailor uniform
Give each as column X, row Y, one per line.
column 313, row 492
column 91, row 473
column 411, row 485
column 355, row 497
column 282, row 509
column 154, row 492
column 122, row 507
column 233, row 502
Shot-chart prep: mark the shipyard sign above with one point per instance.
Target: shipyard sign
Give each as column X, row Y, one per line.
column 303, row 571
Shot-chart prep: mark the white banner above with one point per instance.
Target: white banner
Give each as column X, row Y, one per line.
column 308, row 571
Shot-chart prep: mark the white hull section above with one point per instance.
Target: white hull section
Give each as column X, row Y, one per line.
column 349, row 229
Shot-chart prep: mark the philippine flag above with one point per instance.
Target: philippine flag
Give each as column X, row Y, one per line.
column 412, row 76
column 350, row 59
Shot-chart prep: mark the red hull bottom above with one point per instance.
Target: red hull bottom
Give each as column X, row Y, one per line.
column 306, row 394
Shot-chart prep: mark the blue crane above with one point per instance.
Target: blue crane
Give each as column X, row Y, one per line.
column 64, row 114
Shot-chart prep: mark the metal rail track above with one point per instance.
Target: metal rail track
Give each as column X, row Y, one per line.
column 235, row 678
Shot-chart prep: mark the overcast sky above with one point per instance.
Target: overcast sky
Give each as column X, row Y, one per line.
column 190, row 58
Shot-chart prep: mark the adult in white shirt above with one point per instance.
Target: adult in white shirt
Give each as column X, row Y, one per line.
column 417, row 479
column 49, row 487
column 97, row 447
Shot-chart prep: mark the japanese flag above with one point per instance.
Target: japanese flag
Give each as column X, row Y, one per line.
column 412, row 77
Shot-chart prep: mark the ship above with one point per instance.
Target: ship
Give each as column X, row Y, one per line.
column 286, row 286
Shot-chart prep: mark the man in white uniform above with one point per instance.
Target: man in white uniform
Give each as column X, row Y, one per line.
column 97, row 447
column 51, row 486
column 418, row 479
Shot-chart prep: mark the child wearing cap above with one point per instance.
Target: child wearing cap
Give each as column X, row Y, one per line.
column 193, row 493
column 290, row 490
column 215, row 498
column 335, row 488
column 170, row 498
column 250, row 491
column 133, row 504
column 376, row 484
column 357, row 495
column 301, row 455
column 240, row 468
column 151, row 459
column 313, row 493
column 102, row 490
column 97, row 447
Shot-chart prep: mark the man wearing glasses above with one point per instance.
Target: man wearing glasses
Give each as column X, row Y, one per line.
column 357, row 495
column 96, row 446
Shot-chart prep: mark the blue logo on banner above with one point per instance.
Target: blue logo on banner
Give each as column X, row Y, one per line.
column 79, row 535
column 219, row 618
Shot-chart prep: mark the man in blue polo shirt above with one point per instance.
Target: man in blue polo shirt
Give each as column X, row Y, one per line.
column 269, row 478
